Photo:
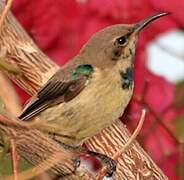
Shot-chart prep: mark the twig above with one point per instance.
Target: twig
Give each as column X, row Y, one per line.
column 5, row 12
column 11, row 122
column 39, row 169
column 45, row 162
column 14, row 156
column 102, row 172
column 133, row 137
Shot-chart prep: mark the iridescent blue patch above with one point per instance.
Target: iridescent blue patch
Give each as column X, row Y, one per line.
column 84, row 69
column 127, row 78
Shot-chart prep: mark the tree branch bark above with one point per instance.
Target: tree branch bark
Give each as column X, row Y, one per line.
column 39, row 150
column 33, row 145
column 36, row 68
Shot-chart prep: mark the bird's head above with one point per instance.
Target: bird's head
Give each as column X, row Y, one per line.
column 116, row 42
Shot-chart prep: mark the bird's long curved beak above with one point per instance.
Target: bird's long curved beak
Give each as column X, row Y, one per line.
column 140, row 25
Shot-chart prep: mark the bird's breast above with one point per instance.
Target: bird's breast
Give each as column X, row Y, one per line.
column 101, row 102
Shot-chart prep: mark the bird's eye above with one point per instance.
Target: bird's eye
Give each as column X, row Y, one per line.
column 122, row 40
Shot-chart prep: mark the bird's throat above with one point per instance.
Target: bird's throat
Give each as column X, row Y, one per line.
column 125, row 68
column 127, row 78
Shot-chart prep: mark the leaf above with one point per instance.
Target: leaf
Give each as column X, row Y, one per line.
column 179, row 95
column 179, row 124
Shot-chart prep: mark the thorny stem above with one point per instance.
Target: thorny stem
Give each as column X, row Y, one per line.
column 14, row 155
column 102, row 172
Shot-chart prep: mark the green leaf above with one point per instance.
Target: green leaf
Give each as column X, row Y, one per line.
column 179, row 123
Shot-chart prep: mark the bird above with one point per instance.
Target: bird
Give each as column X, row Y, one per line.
column 93, row 89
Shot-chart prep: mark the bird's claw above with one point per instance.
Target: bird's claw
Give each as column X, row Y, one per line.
column 77, row 162
column 111, row 167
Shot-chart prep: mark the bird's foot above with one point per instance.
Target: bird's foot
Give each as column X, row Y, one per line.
column 109, row 162
column 77, row 162
column 111, row 166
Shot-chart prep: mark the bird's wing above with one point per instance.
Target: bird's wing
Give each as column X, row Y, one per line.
column 54, row 92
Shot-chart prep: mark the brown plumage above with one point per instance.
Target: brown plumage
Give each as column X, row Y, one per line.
column 93, row 89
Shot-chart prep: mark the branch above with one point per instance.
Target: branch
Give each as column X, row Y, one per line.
column 14, row 159
column 9, row 96
column 39, row 150
column 25, row 55
column 102, row 172
column 5, row 12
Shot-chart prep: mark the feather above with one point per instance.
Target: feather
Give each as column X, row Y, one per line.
column 55, row 91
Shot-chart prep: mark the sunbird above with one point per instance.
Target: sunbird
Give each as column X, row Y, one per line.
column 93, row 89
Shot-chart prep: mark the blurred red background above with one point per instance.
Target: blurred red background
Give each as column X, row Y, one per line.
column 61, row 27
